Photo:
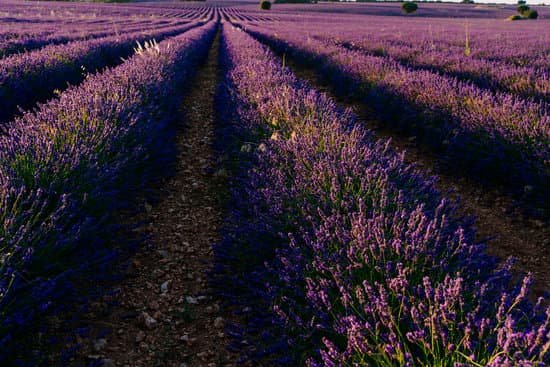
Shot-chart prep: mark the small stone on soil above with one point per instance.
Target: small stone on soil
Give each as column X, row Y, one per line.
column 164, row 286
column 148, row 321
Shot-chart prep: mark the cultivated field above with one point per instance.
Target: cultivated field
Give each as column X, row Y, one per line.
column 328, row 184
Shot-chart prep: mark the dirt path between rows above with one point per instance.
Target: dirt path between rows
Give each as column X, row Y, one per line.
column 164, row 313
column 510, row 232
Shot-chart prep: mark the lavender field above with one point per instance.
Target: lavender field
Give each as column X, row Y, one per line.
column 228, row 183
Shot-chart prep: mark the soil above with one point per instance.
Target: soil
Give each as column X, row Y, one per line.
column 164, row 313
column 498, row 218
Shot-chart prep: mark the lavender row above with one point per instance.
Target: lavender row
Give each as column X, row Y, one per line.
column 338, row 253
column 495, row 136
column 65, row 168
column 32, row 77
column 527, row 82
column 65, row 33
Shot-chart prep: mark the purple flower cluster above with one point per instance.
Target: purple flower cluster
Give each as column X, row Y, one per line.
column 495, row 136
column 32, row 77
column 338, row 253
column 67, row 166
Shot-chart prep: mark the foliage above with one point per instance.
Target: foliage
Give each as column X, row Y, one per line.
column 265, row 5
column 531, row 14
column 409, row 7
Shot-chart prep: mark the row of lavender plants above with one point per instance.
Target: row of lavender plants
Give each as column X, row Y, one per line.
column 527, row 82
column 31, row 77
column 67, row 167
column 496, row 137
column 338, row 253
column 30, row 39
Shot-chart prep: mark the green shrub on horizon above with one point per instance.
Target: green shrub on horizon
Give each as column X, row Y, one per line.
column 409, row 7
